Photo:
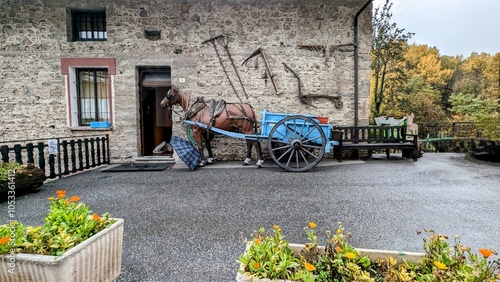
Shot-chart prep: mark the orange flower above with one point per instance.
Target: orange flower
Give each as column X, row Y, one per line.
column 310, row 267
column 66, row 202
column 350, row 255
column 256, row 265
column 485, row 252
column 61, row 193
column 96, row 216
column 256, row 241
column 4, row 240
column 74, row 199
column 338, row 249
column 312, row 224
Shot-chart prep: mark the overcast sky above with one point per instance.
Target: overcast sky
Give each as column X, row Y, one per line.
column 455, row 27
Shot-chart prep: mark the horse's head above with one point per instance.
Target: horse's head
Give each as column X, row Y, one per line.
column 171, row 98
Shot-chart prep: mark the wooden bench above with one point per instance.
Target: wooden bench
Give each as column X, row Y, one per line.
column 375, row 137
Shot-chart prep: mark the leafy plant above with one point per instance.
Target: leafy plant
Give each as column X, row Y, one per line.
column 68, row 223
column 5, row 167
column 269, row 256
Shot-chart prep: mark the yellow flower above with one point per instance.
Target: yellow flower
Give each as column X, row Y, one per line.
column 256, row 265
column 440, row 265
column 339, row 231
column 350, row 255
column 74, row 199
column 51, row 198
column 4, row 240
column 485, row 252
column 312, row 224
column 338, row 249
column 310, row 267
column 96, row 216
column 277, row 228
column 256, row 241
column 61, row 193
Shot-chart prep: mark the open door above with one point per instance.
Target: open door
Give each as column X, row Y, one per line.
column 156, row 122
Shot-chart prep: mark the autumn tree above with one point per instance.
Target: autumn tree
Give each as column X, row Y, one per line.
column 426, row 81
column 388, row 47
column 476, row 94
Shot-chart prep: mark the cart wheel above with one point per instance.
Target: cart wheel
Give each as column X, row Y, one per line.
column 296, row 143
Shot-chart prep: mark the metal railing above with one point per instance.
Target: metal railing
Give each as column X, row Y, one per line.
column 61, row 156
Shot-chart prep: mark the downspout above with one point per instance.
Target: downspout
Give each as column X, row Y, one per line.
column 356, row 63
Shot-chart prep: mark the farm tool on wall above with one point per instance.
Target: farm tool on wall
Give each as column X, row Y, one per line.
column 306, row 99
column 224, row 42
column 268, row 69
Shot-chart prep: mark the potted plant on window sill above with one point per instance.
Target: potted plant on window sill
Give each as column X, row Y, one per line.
column 73, row 244
column 271, row 258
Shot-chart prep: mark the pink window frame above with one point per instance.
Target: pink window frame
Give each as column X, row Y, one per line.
column 68, row 63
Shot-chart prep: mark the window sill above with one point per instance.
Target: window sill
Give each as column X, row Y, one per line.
column 88, row 128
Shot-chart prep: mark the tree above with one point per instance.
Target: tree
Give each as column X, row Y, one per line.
column 476, row 96
column 388, row 47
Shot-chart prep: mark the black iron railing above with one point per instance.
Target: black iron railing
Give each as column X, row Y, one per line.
column 61, row 156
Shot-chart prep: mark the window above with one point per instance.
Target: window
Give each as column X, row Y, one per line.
column 92, row 95
column 89, row 84
column 87, row 25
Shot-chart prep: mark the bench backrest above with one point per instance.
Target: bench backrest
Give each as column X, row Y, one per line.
column 372, row 133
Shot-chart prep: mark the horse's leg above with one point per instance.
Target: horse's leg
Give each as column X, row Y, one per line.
column 260, row 160
column 206, row 137
column 249, row 153
column 198, row 137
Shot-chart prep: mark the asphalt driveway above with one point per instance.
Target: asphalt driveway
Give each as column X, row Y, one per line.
column 189, row 226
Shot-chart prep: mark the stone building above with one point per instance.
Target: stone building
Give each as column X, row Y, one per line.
column 67, row 63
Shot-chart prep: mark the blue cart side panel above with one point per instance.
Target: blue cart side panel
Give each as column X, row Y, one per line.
column 269, row 120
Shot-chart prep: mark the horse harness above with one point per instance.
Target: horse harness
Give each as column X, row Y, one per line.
column 215, row 108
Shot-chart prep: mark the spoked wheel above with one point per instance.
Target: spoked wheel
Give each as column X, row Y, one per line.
column 296, row 143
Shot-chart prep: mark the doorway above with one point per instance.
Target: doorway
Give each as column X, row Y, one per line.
column 156, row 122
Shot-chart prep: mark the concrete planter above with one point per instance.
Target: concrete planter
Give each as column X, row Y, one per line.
column 370, row 253
column 96, row 259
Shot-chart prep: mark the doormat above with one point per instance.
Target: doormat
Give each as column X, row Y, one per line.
column 139, row 167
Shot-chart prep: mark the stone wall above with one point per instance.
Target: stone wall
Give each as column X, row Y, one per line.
column 33, row 39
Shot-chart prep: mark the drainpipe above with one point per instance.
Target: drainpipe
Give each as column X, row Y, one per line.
column 356, row 62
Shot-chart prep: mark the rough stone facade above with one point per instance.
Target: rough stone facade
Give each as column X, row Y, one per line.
column 33, row 40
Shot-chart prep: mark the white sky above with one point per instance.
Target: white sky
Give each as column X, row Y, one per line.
column 454, row 27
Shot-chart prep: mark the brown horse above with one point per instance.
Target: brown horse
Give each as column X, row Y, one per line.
column 234, row 117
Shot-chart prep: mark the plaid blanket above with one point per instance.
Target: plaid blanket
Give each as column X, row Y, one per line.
column 186, row 151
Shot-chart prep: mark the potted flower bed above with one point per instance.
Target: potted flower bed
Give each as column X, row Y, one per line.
column 73, row 244
column 268, row 257
column 23, row 178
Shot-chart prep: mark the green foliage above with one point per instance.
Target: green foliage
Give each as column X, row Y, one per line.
column 270, row 257
column 340, row 261
column 483, row 112
column 67, row 224
column 388, row 45
column 443, row 262
column 6, row 167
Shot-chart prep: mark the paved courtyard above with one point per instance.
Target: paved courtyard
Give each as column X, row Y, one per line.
column 189, row 226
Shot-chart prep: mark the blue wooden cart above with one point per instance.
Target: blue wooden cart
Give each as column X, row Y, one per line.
column 295, row 142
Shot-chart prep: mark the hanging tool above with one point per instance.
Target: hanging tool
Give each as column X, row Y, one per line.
column 302, row 98
column 264, row 58
column 212, row 40
column 224, row 40
column 306, row 99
